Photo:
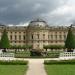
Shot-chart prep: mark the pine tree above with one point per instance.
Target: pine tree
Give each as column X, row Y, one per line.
column 70, row 41
column 4, row 43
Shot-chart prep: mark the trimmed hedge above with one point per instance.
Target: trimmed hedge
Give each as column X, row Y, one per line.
column 13, row 62
column 50, row 62
column 50, row 54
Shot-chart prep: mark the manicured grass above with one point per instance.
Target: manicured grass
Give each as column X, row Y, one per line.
column 63, row 69
column 13, row 69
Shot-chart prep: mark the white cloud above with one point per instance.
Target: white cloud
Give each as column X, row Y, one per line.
column 21, row 24
column 64, row 14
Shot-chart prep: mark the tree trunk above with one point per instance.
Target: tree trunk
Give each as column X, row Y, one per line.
column 69, row 50
column 4, row 50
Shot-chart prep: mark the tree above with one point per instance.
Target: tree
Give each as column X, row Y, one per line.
column 4, row 43
column 29, row 47
column 46, row 47
column 53, row 47
column 70, row 41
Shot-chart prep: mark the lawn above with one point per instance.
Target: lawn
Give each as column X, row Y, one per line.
column 60, row 69
column 13, row 69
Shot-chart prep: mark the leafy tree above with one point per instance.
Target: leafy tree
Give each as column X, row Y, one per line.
column 46, row 47
column 29, row 47
column 53, row 47
column 70, row 41
column 24, row 47
column 4, row 43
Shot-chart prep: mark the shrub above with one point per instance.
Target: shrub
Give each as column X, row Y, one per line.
column 13, row 62
column 35, row 53
column 50, row 62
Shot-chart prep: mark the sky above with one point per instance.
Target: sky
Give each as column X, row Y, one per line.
column 21, row 12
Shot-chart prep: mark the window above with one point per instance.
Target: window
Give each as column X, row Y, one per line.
column 37, row 36
column 51, row 36
column 24, row 37
column 10, row 37
column 60, row 36
column 11, row 32
column 15, row 32
column 24, row 32
column 19, row 41
column 51, row 41
column 44, row 41
column 64, row 36
column 15, row 41
column 59, row 32
column 64, row 32
column 15, row 37
column 19, row 32
column 19, row 37
column 48, row 36
column 23, row 41
column 55, row 36
column 37, row 46
column 55, row 41
column 37, row 41
column 43, row 36
column 32, row 36
column 55, row 32
column 32, row 41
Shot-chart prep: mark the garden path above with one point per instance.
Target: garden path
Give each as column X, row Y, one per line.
column 36, row 67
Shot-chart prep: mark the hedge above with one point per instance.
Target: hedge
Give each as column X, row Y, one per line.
column 13, row 62
column 50, row 62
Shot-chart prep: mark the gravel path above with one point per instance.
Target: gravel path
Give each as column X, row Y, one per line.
column 36, row 67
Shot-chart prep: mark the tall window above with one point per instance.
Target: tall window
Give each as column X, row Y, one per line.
column 60, row 36
column 19, row 32
column 37, row 36
column 56, row 37
column 43, row 41
column 37, row 46
column 32, row 36
column 11, row 32
column 51, row 36
column 15, row 32
column 24, row 37
column 15, row 37
column 48, row 36
column 64, row 36
column 10, row 37
column 56, row 33
column 19, row 37
column 43, row 36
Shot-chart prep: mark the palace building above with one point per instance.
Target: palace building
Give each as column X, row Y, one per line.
column 38, row 33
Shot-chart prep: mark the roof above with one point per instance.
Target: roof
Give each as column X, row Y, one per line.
column 38, row 23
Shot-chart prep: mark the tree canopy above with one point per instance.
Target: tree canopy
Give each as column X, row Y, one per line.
column 53, row 47
column 70, row 40
column 4, row 43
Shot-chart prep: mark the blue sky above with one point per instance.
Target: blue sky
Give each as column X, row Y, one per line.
column 21, row 12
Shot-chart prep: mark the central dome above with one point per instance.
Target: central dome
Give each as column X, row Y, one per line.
column 38, row 23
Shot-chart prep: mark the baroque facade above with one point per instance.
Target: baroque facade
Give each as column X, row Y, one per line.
column 38, row 33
